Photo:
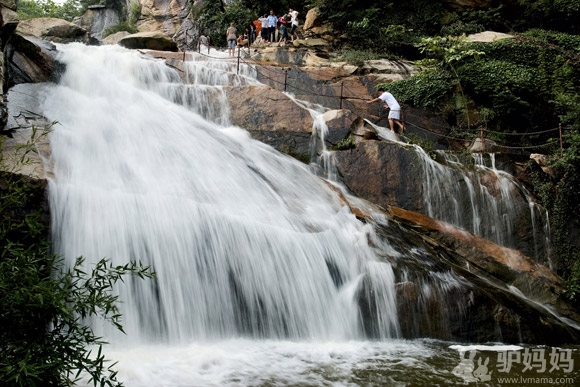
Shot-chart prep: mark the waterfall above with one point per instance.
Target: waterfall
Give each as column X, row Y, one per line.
column 264, row 276
column 245, row 241
column 484, row 200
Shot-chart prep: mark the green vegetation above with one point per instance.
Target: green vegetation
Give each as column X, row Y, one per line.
column 28, row 9
column 215, row 19
column 560, row 196
column 68, row 10
column 345, row 143
column 427, row 146
column 123, row 26
column 45, row 338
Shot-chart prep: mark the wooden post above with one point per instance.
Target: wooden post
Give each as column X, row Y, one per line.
column 481, row 139
column 239, row 53
column 285, row 79
column 561, row 142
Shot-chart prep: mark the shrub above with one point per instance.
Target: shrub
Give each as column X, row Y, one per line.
column 123, row 26
column 428, row 89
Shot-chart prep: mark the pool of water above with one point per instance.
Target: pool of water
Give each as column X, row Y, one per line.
column 243, row 362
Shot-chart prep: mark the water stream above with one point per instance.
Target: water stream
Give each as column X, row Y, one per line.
column 260, row 266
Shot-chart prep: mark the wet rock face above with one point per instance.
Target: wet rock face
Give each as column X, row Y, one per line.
column 383, row 173
column 465, row 290
column 273, row 118
column 481, row 201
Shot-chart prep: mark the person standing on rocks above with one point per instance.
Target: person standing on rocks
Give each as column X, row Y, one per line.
column 231, row 36
column 283, row 31
column 395, row 109
column 264, row 21
column 294, row 20
column 272, row 21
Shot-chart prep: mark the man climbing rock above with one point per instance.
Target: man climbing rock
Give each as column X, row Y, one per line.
column 395, row 109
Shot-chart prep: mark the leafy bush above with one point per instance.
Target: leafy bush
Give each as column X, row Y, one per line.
column 505, row 88
column 345, row 144
column 428, row 89
column 357, row 57
column 134, row 12
column 28, row 9
column 560, row 197
column 215, row 20
column 45, row 339
column 123, row 26
column 369, row 24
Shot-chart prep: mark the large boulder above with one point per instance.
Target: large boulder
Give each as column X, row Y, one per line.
column 314, row 27
column 382, row 172
column 272, row 117
column 8, row 23
column 96, row 20
column 165, row 16
column 115, row 38
column 187, row 36
column 488, row 36
column 54, row 30
column 29, row 60
column 9, row 20
column 339, row 125
column 148, row 40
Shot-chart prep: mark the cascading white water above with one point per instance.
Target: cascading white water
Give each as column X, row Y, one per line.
column 261, row 269
column 244, row 240
column 482, row 201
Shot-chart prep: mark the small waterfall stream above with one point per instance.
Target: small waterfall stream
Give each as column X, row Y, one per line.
column 264, row 277
column 484, row 200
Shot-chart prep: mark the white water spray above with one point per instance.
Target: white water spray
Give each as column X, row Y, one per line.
column 244, row 240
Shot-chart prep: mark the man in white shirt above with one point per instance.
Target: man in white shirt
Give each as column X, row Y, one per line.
column 294, row 20
column 395, row 109
column 264, row 30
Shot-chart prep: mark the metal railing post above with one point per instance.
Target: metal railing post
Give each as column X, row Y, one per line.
column 185, row 49
column 239, row 53
column 561, row 142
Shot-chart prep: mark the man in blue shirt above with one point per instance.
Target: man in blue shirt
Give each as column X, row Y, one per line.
column 272, row 20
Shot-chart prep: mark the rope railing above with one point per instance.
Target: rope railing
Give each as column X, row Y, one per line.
column 296, row 90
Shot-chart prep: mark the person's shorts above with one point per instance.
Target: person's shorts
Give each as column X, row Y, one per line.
column 232, row 44
column 395, row 114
